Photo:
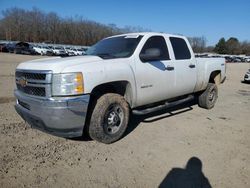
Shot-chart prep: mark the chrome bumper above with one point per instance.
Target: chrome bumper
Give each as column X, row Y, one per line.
column 63, row 116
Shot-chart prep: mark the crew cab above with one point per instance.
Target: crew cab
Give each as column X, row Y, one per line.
column 123, row 75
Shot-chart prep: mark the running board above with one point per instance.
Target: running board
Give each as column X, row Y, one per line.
column 163, row 106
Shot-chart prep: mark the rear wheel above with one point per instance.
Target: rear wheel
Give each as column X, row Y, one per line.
column 209, row 97
column 109, row 119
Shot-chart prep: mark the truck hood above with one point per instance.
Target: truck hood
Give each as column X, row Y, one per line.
column 57, row 64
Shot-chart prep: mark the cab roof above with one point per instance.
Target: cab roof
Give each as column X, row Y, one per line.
column 148, row 34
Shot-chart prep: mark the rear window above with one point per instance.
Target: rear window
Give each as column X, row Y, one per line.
column 180, row 48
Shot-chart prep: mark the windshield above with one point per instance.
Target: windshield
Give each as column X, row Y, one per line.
column 115, row 47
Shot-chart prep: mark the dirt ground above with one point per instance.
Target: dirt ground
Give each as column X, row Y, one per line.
column 153, row 148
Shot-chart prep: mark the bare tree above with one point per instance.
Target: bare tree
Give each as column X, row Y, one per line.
column 37, row 26
column 245, row 47
column 198, row 44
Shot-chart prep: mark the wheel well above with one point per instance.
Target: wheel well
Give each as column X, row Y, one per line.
column 215, row 77
column 120, row 87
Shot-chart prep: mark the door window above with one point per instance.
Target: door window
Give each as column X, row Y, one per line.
column 180, row 48
column 159, row 43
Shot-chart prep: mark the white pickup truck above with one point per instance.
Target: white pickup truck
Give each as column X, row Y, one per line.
column 136, row 72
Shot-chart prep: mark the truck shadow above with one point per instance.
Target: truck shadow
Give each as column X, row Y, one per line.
column 135, row 120
column 191, row 176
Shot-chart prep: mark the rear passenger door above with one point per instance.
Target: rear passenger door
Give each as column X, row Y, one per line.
column 185, row 66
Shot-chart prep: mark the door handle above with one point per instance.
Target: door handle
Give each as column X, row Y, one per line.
column 192, row 66
column 169, row 68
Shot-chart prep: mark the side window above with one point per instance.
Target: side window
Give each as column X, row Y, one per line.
column 180, row 48
column 157, row 42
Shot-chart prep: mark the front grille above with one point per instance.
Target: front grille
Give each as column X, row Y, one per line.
column 38, row 91
column 33, row 76
column 34, row 82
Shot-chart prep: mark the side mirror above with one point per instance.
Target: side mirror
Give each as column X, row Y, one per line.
column 151, row 54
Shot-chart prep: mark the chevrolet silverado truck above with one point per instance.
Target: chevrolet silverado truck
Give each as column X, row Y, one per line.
column 136, row 73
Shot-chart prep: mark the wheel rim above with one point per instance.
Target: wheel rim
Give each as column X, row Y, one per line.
column 113, row 119
column 212, row 96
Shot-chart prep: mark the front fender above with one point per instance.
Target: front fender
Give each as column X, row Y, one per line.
column 106, row 71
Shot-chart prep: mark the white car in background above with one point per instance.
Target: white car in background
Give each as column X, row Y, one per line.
column 247, row 59
column 247, row 76
column 38, row 49
column 78, row 51
column 74, row 51
column 69, row 51
column 58, row 51
column 46, row 50
column 43, row 50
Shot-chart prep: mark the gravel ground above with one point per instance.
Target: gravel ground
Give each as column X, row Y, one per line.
column 153, row 148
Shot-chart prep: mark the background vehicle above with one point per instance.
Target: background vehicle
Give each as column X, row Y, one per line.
column 247, row 76
column 78, row 51
column 229, row 59
column 69, row 51
column 139, row 73
column 2, row 47
column 23, row 48
column 38, row 49
column 247, row 59
column 43, row 50
column 9, row 47
column 59, row 51
column 47, row 50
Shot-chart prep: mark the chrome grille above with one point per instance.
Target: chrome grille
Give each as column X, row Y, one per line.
column 38, row 91
column 35, row 83
column 33, row 76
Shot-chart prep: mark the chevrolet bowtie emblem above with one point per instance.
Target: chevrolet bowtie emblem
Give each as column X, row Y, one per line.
column 23, row 81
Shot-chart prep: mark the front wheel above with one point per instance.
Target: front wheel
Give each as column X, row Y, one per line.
column 109, row 119
column 208, row 98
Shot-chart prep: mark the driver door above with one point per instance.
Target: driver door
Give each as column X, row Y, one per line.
column 154, row 79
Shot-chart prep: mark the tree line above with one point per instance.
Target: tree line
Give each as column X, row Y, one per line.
column 232, row 46
column 36, row 26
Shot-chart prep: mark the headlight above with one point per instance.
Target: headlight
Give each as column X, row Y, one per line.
column 67, row 84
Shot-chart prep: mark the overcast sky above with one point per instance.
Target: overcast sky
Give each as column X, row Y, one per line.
column 212, row 19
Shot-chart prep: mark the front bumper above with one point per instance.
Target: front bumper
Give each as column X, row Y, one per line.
column 58, row 116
